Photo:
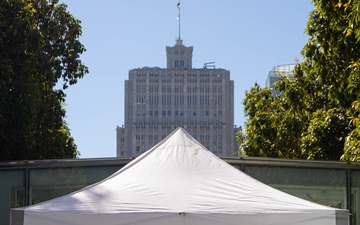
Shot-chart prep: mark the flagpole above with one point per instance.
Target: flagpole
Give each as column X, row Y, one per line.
column 179, row 17
column 179, row 22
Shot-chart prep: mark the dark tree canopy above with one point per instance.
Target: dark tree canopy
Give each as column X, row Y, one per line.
column 315, row 116
column 39, row 49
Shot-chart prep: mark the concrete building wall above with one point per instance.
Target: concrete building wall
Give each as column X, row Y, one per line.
column 157, row 101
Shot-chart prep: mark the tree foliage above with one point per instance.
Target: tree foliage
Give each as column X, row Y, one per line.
column 352, row 141
column 40, row 49
column 311, row 118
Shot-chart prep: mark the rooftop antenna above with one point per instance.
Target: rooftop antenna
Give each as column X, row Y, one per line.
column 178, row 17
column 209, row 65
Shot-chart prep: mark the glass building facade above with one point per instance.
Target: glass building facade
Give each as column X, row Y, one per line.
column 276, row 73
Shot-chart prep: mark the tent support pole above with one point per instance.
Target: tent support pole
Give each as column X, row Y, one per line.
column 27, row 188
column 348, row 193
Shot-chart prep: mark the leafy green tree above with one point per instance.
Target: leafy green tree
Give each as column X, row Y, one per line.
column 259, row 131
column 270, row 130
column 40, row 48
column 315, row 105
column 352, row 141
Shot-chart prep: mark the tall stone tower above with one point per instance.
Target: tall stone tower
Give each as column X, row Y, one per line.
column 157, row 101
column 179, row 56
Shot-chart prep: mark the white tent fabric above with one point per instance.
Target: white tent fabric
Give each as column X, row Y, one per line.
column 178, row 182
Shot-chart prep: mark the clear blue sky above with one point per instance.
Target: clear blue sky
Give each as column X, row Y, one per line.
column 246, row 37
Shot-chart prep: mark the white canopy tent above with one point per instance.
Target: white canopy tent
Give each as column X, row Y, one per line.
column 178, row 182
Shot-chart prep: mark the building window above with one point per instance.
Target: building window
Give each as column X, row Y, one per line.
column 168, row 100
column 181, row 100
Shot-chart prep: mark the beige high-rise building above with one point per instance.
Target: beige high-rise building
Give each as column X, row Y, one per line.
column 159, row 100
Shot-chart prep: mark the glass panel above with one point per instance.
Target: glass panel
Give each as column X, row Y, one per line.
column 355, row 197
column 50, row 183
column 323, row 186
column 12, row 192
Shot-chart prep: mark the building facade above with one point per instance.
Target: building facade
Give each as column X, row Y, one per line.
column 157, row 101
column 276, row 73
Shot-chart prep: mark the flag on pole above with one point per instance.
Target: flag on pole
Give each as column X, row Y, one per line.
column 178, row 5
